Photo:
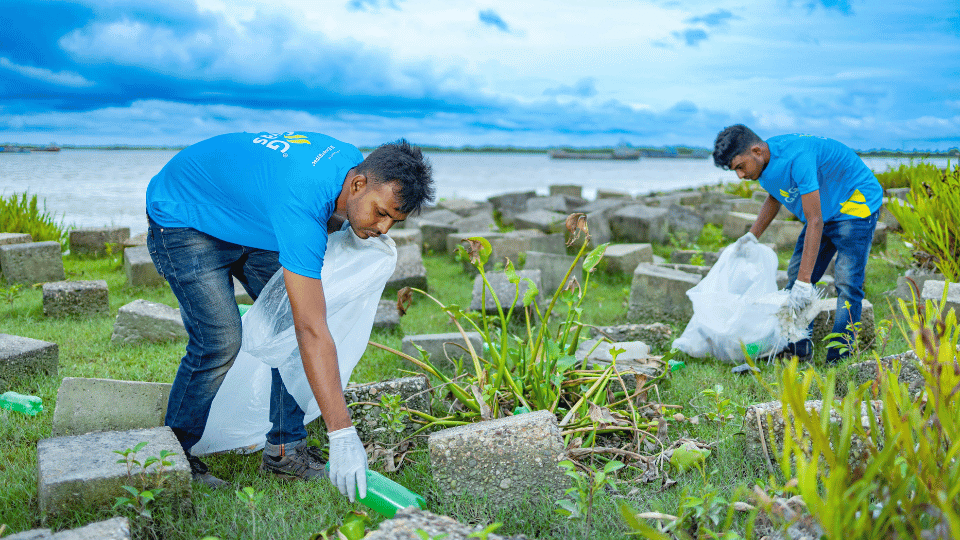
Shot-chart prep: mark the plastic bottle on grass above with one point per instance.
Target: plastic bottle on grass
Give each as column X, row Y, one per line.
column 386, row 496
column 30, row 405
column 676, row 365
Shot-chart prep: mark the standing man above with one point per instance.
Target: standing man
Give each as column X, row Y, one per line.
column 245, row 205
column 829, row 188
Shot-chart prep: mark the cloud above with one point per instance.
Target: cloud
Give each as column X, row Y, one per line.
column 715, row 18
column 691, row 36
column 843, row 6
column 371, row 5
column 61, row 78
column 585, row 87
column 490, row 17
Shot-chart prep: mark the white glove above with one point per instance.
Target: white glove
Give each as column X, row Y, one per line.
column 348, row 463
column 748, row 238
column 802, row 294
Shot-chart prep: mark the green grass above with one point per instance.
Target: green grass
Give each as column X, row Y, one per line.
column 295, row 510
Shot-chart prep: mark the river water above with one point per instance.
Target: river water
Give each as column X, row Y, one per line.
column 96, row 188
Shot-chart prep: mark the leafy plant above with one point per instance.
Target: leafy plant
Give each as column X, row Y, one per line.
column 722, row 406
column 352, row 527
column 883, row 468
column 149, row 483
column 393, row 414
column 20, row 214
column 930, row 219
column 537, row 369
column 903, row 175
column 743, row 189
column 251, row 498
column 11, row 293
column 579, row 503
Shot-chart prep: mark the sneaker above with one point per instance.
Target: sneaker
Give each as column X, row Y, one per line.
column 201, row 475
column 802, row 349
column 293, row 461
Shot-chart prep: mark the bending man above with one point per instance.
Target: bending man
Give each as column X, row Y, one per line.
column 245, row 205
column 829, row 188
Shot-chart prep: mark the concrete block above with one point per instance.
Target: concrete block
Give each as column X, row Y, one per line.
column 625, row 257
column 32, row 262
column 612, row 194
column 760, row 195
column 887, row 217
column 88, row 405
column 657, row 293
column 746, row 206
column 98, row 241
column 570, row 190
column 510, row 204
column 7, row 238
column 407, row 237
column 880, row 235
column 504, row 290
column 563, row 204
column 898, row 193
column 72, row 298
column 549, row 243
column 542, row 220
column 552, row 269
column 823, row 322
column 410, row 271
column 640, row 224
column 506, row 461
column 145, row 321
column 415, row 524
column 387, row 316
column 80, row 472
column 364, row 402
column 910, row 372
column 139, row 267
column 441, row 346
column 435, row 236
column 910, row 284
column 134, row 241
column 24, row 357
column 117, row 528
column 783, row 234
column 715, row 213
column 476, row 222
column 765, row 422
column 632, row 364
column 684, row 256
column 737, row 224
column 689, row 268
column 435, row 215
column 657, row 335
column 684, row 222
column 465, row 207
column 934, row 289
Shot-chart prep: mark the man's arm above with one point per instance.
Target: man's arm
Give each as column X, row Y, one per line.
column 766, row 214
column 317, row 349
column 811, row 242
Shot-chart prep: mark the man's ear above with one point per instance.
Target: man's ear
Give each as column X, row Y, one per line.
column 756, row 150
column 358, row 183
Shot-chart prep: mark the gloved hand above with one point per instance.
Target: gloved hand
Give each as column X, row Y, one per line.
column 748, row 238
column 348, row 463
column 802, row 294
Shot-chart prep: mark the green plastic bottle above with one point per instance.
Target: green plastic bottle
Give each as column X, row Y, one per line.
column 386, row 496
column 30, row 405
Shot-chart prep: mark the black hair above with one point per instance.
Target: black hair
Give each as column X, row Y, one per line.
column 731, row 142
column 404, row 164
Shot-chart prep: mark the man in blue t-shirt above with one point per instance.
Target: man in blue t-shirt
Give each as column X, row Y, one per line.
column 242, row 206
column 829, row 188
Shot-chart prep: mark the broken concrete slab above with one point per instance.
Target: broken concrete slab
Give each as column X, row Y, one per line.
column 145, row 321
column 657, row 335
column 410, row 271
column 737, row 224
column 465, row 207
column 933, row 290
column 439, row 347
column 657, row 293
column 387, row 316
column 476, row 222
column 483, row 299
column 117, row 528
column 98, row 241
column 22, row 357
column 435, row 236
column 685, row 256
column 552, row 269
column 415, row 524
column 75, row 298
column 511, row 204
column 689, row 268
column 436, row 215
column 625, row 257
column 8, row 238
column 823, row 322
column 139, row 267
column 546, row 221
column 67, row 484
column 89, row 405
column 504, row 461
column 570, row 190
column 32, row 262
column 407, row 237
column 639, row 224
column 910, row 372
column 365, row 399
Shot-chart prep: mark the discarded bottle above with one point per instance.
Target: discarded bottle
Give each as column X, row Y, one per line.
column 675, row 365
column 386, row 496
column 30, row 405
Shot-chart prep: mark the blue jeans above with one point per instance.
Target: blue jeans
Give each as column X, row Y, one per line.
column 200, row 270
column 850, row 240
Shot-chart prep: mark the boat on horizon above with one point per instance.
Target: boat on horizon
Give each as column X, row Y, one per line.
column 14, row 150
column 626, row 154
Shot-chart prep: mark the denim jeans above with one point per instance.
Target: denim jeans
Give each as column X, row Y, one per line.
column 200, row 270
column 850, row 240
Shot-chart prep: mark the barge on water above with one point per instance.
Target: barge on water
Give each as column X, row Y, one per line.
column 616, row 154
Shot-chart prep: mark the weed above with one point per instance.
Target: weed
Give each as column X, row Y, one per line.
column 251, row 498
column 11, row 293
column 20, row 214
column 149, row 484
column 579, row 503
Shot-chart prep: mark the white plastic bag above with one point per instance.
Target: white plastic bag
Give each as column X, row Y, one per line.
column 736, row 306
column 354, row 274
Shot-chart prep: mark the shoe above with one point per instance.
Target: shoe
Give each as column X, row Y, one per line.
column 201, row 475
column 293, row 461
column 802, row 349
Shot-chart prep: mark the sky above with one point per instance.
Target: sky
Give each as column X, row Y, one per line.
column 870, row 73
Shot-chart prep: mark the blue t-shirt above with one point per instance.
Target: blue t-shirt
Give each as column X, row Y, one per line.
column 801, row 164
column 271, row 191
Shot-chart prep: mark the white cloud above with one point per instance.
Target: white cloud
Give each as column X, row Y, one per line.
column 60, row 78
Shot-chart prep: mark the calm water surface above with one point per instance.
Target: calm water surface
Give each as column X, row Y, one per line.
column 95, row 188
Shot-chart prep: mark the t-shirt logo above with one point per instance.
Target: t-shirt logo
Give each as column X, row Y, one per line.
column 789, row 196
column 856, row 205
column 271, row 141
